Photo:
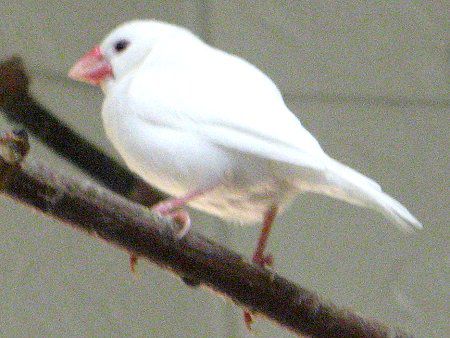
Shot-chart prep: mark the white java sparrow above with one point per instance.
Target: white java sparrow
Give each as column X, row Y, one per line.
column 212, row 130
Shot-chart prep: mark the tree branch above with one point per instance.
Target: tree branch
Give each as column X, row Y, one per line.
column 102, row 213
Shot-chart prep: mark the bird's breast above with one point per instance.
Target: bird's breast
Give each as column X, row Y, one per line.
column 174, row 160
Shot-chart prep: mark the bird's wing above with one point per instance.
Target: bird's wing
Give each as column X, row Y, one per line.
column 228, row 102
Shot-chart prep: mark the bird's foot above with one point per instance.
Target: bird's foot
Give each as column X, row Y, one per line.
column 172, row 208
column 263, row 260
column 259, row 257
column 165, row 207
column 179, row 216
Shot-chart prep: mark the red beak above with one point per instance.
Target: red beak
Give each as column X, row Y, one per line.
column 92, row 68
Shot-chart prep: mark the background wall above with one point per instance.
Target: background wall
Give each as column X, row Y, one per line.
column 367, row 78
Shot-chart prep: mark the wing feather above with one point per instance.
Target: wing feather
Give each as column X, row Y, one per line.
column 202, row 93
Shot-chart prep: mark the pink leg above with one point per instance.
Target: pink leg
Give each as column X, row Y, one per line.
column 258, row 256
column 166, row 206
column 169, row 208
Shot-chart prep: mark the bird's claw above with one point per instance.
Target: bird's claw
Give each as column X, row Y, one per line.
column 179, row 216
column 263, row 260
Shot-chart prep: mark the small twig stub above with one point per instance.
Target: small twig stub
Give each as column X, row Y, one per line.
column 14, row 147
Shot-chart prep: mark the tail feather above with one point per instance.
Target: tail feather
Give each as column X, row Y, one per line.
column 347, row 184
column 393, row 210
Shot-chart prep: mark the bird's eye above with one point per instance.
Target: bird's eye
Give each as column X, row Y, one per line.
column 121, row 45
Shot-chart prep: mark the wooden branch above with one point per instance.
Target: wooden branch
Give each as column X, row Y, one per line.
column 102, row 213
column 20, row 107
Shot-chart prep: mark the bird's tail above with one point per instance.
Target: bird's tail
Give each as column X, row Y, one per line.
column 344, row 183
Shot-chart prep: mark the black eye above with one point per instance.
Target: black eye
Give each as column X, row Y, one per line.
column 121, row 45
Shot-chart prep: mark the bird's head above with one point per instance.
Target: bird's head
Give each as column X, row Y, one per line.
column 122, row 50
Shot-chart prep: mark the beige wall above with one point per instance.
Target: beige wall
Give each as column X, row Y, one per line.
column 369, row 80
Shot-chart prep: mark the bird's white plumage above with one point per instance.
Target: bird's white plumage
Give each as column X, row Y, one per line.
column 233, row 104
column 187, row 116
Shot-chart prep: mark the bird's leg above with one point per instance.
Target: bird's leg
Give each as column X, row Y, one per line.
column 168, row 205
column 171, row 208
column 259, row 257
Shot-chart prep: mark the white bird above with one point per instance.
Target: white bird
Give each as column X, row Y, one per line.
column 213, row 131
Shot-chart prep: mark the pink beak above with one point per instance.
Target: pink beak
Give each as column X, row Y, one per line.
column 92, row 68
